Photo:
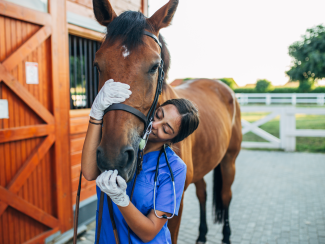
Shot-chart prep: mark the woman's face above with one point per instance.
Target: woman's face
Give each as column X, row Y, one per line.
column 165, row 124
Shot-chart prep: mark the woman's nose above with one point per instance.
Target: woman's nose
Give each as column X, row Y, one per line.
column 155, row 124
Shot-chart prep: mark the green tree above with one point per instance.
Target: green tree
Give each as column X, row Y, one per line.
column 230, row 82
column 308, row 58
column 263, row 86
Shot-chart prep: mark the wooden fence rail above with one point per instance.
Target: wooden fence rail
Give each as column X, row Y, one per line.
column 288, row 130
column 281, row 98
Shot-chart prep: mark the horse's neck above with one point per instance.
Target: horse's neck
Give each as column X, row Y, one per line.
column 167, row 93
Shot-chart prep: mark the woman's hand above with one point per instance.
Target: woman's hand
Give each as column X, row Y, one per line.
column 111, row 92
column 114, row 186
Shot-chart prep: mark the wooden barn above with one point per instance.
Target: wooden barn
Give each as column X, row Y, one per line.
column 47, row 85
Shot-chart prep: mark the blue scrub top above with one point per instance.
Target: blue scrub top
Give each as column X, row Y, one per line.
column 143, row 197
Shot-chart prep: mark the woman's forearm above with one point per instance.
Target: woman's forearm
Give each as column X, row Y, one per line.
column 144, row 227
column 88, row 159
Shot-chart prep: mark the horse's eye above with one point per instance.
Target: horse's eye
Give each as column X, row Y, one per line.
column 97, row 67
column 154, row 68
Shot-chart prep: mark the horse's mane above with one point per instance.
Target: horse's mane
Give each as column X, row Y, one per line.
column 128, row 27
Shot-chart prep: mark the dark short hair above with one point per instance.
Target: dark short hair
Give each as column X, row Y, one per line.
column 190, row 117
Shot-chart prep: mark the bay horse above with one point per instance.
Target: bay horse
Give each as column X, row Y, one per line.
column 128, row 56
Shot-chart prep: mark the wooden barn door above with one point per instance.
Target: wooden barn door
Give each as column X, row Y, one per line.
column 35, row 181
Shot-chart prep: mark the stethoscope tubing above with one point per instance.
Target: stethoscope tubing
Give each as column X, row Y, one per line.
column 155, row 185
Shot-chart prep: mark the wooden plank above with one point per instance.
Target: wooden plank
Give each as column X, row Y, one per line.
column 25, row 132
column 22, row 13
column 85, row 33
column 85, row 193
column 75, row 159
column 61, row 106
column 75, row 171
column 76, row 145
column 41, row 238
column 31, row 44
column 27, row 208
column 76, row 113
column 28, row 167
column 84, row 183
column 24, row 95
column 78, row 128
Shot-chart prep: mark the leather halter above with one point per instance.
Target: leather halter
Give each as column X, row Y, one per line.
column 146, row 119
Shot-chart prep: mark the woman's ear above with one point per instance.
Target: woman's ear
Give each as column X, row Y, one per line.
column 104, row 12
column 163, row 17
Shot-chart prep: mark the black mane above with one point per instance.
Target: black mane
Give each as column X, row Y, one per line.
column 128, row 27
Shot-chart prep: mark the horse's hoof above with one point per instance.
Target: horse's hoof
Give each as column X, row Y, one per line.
column 225, row 242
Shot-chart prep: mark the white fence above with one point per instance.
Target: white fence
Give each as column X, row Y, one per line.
column 280, row 98
column 288, row 131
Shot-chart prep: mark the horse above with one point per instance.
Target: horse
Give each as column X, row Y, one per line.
column 128, row 56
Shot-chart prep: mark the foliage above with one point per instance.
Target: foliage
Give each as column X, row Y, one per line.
column 263, row 86
column 229, row 81
column 306, row 86
column 285, row 90
column 308, row 58
column 245, row 90
column 320, row 89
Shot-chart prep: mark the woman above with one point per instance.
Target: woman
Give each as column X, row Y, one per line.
column 173, row 121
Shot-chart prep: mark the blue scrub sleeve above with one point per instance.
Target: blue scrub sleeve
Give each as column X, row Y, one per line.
column 165, row 192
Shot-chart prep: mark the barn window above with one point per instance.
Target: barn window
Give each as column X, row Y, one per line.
column 83, row 75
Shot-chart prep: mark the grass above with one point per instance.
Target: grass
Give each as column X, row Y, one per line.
column 303, row 144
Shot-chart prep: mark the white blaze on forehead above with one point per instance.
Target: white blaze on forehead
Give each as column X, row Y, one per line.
column 125, row 51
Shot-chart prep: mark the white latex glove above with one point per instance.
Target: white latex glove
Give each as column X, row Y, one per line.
column 106, row 181
column 111, row 92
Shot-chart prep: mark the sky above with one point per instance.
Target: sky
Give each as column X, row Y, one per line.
column 246, row 40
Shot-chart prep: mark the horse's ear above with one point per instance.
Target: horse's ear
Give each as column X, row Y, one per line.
column 104, row 12
column 163, row 17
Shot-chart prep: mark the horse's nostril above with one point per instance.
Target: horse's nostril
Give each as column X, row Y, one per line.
column 128, row 156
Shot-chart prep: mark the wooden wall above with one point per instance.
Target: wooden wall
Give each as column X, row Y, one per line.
column 35, row 166
column 38, row 188
column 79, row 120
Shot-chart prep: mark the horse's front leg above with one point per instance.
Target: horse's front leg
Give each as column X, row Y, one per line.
column 175, row 223
column 202, row 196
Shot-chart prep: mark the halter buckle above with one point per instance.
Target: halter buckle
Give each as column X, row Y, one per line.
column 145, row 137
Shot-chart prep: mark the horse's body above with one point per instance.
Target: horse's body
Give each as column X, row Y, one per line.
column 216, row 141
column 127, row 56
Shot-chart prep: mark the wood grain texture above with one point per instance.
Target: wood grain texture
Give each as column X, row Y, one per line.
column 41, row 238
column 61, row 107
column 23, row 51
column 26, row 14
column 25, row 132
column 28, row 167
column 85, row 33
column 23, row 94
column 27, row 208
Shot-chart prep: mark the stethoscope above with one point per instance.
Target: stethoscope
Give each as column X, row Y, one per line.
column 163, row 150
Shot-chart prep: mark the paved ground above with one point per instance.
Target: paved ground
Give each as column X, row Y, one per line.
column 278, row 198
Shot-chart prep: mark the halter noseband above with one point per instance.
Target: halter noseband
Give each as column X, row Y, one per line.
column 146, row 119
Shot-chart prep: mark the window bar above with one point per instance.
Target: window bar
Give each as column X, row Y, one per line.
column 82, row 74
column 95, row 70
column 86, row 74
column 70, row 54
column 75, row 69
column 91, row 79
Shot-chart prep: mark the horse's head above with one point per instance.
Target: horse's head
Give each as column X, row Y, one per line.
column 128, row 56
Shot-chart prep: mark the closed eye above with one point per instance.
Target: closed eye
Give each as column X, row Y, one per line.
column 154, row 69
